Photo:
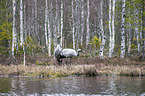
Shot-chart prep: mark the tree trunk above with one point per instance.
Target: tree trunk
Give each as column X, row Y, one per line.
column 73, row 27
column 14, row 38
column 61, row 22
column 137, row 30
column 110, row 43
column 123, row 30
column 88, row 27
column 113, row 26
column 102, row 31
column 46, row 22
column 21, row 23
column 143, row 31
column 129, row 35
column 49, row 32
column 82, row 22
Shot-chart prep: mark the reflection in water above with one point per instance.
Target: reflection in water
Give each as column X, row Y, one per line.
column 99, row 85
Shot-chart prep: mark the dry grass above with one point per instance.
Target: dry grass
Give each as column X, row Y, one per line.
column 59, row 71
column 80, row 66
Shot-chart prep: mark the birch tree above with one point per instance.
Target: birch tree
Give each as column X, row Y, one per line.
column 14, row 27
column 102, row 30
column 143, row 31
column 73, row 27
column 82, row 22
column 137, row 29
column 111, row 27
column 55, row 25
column 88, row 27
column 61, row 21
column 21, row 23
column 46, row 22
column 24, row 36
column 77, row 23
column 49, row 32
column 123, row 30
column 129, row 34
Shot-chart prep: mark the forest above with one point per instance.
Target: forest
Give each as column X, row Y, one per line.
column 102, row 28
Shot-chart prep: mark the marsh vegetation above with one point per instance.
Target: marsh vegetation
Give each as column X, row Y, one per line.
column 89, row 66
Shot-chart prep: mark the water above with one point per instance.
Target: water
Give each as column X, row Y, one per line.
column 73, row 86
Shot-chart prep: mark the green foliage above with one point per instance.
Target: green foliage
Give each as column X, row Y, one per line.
column 5, row 31
column 29, row 43
column 95, row 42
column 5, row 37
column 133, row 46
column 36, row 62
column 119, row 52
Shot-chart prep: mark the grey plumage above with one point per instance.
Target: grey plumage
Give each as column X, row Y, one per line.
column 57, row 50
column 69, row 53
column 60, row 53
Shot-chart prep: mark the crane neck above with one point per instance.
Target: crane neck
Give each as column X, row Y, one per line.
column 58, row 41
column 78, row 53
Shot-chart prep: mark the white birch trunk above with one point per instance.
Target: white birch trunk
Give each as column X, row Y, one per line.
column 129, row 36
column 82, row 23
column 21, row 23
column 129, row 40
column 14, row 27
column 36, row 22
column 24, row 54
column 73, row 27
column 88, row 27
column 102, row 31
column 110, row 44
column 61, row 22
column 55, row 27
column 46, row 22
column 25, row 31
column 113, row 26
column 123, row 30
column 49, row 32
column 137, row 30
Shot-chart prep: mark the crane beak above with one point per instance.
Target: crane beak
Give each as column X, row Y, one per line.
column 58, row 37
column 83, row 51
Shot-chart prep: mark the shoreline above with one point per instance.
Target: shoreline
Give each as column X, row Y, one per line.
column 76, row 70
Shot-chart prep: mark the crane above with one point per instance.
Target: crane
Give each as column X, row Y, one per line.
column 69, row 53
column 57, row 50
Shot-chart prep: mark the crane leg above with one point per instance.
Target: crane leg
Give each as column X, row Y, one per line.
column 66, row 61
column 70, row 61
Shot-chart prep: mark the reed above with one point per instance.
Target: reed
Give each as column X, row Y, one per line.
column 61, row 71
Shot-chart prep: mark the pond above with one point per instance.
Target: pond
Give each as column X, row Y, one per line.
column 74, row 86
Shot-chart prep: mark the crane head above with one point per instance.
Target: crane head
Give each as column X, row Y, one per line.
column 58, row 37
column 79, row 50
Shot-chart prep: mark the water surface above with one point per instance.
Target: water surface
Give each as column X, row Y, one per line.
column 80, row 86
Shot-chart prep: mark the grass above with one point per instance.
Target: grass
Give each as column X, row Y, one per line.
column 94, row 66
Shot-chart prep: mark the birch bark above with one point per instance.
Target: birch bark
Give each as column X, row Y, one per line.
column 102, row 30
column 73, row 27
column 61, row 22
column 82, row 23
column 14, row 27
column 46, row 22
column 113, row 26
column 110, row 43
column 123, row 30
column 137, row 30
column 49, row 32
column 88, row 27
column 129, row 35
column 143, row 31
column 21, row 23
